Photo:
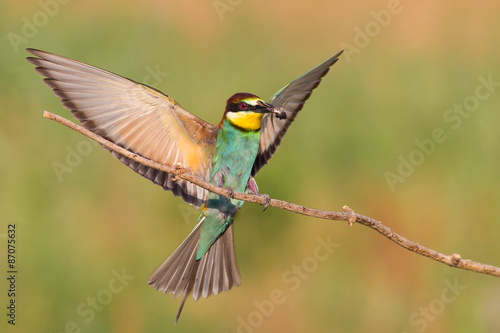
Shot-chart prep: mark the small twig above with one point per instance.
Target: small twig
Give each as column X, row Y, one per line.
column 352, row 217
column 454, row 260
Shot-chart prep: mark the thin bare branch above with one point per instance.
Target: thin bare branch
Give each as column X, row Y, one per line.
column 453, row 260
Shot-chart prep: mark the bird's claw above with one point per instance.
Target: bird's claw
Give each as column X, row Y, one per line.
column 267, row 201
column 230, row 193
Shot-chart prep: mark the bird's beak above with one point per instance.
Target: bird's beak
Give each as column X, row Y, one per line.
column 263, row 107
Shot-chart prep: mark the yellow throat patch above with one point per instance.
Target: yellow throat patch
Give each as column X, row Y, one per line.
column 250, row 121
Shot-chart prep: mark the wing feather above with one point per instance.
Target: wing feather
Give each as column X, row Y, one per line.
column 136, row 117
column 292, row 97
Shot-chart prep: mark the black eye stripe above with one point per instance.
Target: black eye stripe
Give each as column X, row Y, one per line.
column 240, row 106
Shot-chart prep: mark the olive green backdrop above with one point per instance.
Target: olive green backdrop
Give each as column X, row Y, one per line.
column 405, row 129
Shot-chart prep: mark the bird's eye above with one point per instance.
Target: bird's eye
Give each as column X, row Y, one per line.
column 243, row 105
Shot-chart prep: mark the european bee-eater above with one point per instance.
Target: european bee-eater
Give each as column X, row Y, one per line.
column 151, row 124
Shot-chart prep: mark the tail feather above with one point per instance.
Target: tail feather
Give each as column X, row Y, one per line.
column 182, row 274
column 187, row 291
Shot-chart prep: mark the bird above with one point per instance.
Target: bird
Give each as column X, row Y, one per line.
column 151, row 124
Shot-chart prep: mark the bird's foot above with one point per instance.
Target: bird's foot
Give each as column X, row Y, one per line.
column 267, row 201
column 230, row 193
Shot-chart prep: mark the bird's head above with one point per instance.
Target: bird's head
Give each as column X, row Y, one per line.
column 246, row 111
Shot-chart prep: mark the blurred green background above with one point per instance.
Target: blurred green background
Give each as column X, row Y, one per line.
column 407, row 63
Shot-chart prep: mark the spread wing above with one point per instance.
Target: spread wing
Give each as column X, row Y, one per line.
column 135, row 117
column 294, row 95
